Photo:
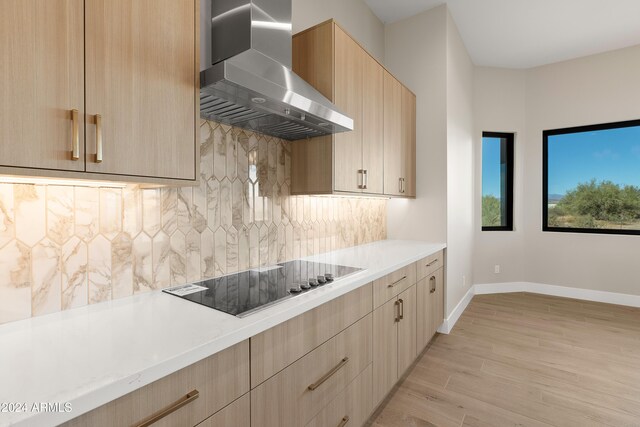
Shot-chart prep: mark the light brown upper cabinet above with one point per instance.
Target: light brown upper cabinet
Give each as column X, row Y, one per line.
column 344, row 163
column 100, row 89
column 41, row 83
column 399, row 139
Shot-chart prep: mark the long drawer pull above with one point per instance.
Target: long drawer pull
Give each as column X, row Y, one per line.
column 397, row 309
column 432, row 262
column 329, row 374
column 98, row 138
column 344, row 421
column 432, row 281
column 75, row 136
column 401, row 308
column 397, row 281
column 188, row 398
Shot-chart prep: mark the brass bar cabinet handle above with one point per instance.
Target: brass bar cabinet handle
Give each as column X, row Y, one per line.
column 75, row 135
column 360, row 179
column 432, row 262
column 397, row 281
column 397, row 310
column 399, row 185
column 98, row 138
column 365, row 174
column 329, row 374
column 344, row 421
column 401, row 308
column 188, row 398
column 432, row 280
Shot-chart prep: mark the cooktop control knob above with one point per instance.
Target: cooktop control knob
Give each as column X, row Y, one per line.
column 313, row 282
column 329, row 277
column 305, row 285
column 295, row 290
column 322, row 280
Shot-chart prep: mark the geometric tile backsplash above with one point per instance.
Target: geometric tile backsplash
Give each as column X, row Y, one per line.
column 63, row 247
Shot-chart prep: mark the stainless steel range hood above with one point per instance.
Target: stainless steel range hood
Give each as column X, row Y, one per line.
column 246, row 78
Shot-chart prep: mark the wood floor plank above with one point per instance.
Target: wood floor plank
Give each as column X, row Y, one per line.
column 524, row 359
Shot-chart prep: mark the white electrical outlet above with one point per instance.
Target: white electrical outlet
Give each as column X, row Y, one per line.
column 496, row 269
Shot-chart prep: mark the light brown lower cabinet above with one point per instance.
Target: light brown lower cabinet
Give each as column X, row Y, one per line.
column 350, row 408
column 236, row 414
column 197, row 391
column 430, row 307
column 394, row 341
column 296, row 395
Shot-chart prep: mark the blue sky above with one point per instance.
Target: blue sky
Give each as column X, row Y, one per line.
column 491, row 166
column 606, row 155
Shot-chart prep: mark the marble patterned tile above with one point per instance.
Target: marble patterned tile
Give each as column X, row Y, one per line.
column 243, row 156
column 226, row 207
column 30, row 215
column 220, row 154
column 280, row 163
column 207, row 253
column 132, row 213
column 206, row 151
column 263, row 167
column 151, row 211
column 7, row 218
column 247, row 204
column 169, row 209
column 220, row 251
column 111, row 212
column 161, row 259
column 254, row 246
column 282, row 243
column 178, row 258
column 99, row 269
column 184, row 210
column 199, row 212
column 60, row 213
column 142, row 264
column 213, row 204
column 264, row 245
column 237, row 203
column 243, row 249
column 252, row 156
column 193, row 256
column 288, row 242
column 232, row 154
column 87, row 212
column 74, row 266
column 46, row 287
column 272, row 162
column 122, row 266
column 232, row 250
column 273, row 244
column 15, row 282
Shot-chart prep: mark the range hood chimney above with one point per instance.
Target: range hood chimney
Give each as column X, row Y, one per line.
column 246, row 78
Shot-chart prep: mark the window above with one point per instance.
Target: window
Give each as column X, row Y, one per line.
column 497, row 181
column 591, row 179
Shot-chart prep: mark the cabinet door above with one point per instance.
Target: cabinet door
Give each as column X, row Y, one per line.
column 408, row 133
column 424, row 313
column 347, row 155
column 373, row 125
column 392, row 135
column 141, row 70
column 41, row 82
column 437, row 300
column 407, row 330
column 385, row 349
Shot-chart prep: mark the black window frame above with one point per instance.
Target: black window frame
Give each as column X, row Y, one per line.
column 545, row 176
column 509, row 153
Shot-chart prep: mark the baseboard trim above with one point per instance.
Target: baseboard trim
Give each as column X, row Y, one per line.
column 537, row 288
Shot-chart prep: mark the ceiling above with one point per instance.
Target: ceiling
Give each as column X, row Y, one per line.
column 529, row 33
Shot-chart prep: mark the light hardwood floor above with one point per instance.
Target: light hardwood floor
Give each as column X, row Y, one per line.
column 524, row 359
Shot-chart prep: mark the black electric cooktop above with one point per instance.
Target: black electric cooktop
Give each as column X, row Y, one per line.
column 243, row 293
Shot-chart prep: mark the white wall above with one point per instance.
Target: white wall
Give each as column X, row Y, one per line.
column 499, row 106
column 596, row 89
column 353, row 15
column 416, row 53
column 460, row 130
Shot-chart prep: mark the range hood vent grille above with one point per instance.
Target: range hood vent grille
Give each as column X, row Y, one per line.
column 231, row 114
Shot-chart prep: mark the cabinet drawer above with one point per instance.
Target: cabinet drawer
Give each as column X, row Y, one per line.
column 294, row 396
column 352, row 407
column 280, row 346
column 430, row 264
column 393, row 284
column 237, row 414
column 219, row 380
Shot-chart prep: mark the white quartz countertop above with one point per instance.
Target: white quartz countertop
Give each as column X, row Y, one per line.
column 91, row 355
